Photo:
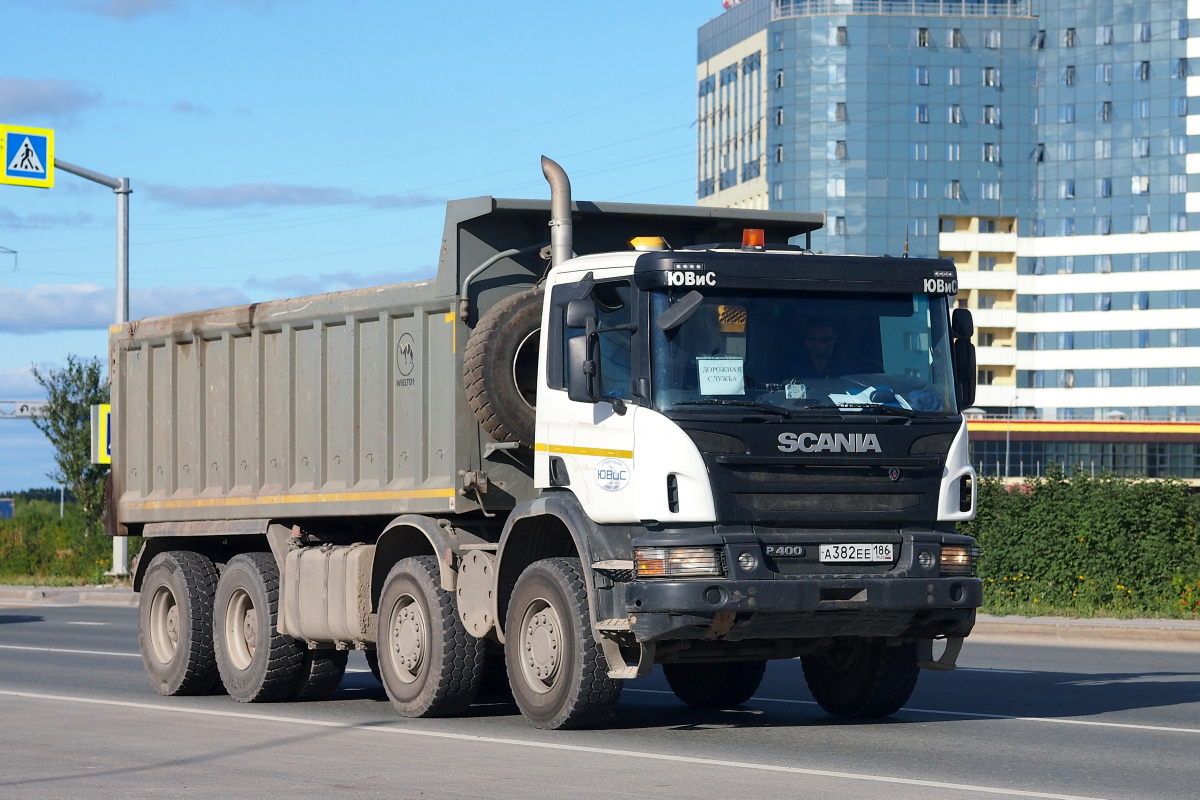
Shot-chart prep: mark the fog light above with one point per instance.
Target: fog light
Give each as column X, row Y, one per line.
column 959, row 559
column 925, row 559
column 747, row 561
column 678, row 562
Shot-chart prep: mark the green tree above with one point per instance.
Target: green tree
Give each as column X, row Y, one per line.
column 72, row 391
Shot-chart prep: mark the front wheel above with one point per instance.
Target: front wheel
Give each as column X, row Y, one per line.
column 724, row 684
column 862, row 677
column 557, row 671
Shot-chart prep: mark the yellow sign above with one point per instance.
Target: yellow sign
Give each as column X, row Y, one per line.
column 27, row 156
column 102, row 434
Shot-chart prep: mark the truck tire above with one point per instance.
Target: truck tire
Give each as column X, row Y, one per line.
column 321, row 674
column 500, row 367
column 258, row 664
column 861, row 677
column 373, row 663
column 175, row 623
column 428, row 663
column 557, row 671
column 723, row 684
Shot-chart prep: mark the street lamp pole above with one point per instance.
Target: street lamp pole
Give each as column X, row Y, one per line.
column 120, row 187
column 1008, row 433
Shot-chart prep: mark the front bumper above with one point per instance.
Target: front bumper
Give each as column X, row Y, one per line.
column 802, row 608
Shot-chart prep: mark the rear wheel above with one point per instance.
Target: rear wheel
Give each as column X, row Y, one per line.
column 428, row 663
column 861, row 677
column 719, row 685
column 321, row 674
column 258, row 664
column 557, row 671
column 175, row 623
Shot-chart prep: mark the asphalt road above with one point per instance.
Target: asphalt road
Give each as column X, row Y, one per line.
column 78, row 719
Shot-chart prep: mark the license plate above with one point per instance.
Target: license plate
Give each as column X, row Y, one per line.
column 855, row 553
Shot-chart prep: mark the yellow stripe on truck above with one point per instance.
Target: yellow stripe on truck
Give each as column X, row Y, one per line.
column 326, row 497
column 599, row 452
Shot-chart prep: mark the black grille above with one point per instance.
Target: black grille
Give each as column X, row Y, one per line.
column 827, row 502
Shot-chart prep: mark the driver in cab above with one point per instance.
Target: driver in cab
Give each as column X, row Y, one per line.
column 816, row 355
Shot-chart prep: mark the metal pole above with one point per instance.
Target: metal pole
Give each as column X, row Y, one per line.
column 120, row 187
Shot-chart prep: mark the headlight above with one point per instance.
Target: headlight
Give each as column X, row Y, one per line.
column 959, row 559
column 678, row 562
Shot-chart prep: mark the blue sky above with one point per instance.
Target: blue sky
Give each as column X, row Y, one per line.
column 283, row 147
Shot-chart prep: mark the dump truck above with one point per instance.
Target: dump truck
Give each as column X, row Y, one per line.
column 605, row 436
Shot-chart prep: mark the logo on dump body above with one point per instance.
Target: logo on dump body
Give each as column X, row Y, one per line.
column 612, row 475
column 829, row 443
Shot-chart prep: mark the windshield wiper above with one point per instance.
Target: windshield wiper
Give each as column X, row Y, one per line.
column 894, row 411
column 768, row 407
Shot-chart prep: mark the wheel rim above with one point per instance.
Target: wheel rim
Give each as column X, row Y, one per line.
column 164, row 625
column 541, row 645
column 241, row 629
column 525, row 362
column 408, row 636
column 843, row 660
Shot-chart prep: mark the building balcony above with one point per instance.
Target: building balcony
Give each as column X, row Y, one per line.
column 994, row 317
column 786, row 9
column 977, row 242
column 996, row 357
column 994, row 279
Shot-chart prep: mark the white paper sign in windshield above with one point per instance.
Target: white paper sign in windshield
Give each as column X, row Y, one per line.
column 721, row 375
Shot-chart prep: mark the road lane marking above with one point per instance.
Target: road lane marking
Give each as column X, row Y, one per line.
column 89, row 623
column 64, row 650
column 533, row 744
column 973, row 714
column 963, row 669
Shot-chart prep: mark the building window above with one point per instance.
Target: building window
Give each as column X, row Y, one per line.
column 1177, row 184
column 1066, row 151
column 953, row 190
column 920, row 37
column 986, row 377
column 1066, row 112
column 1066, row 189
column 954, row 76
column 779, row 154
column 837, row 112
column 1179, row 106
column 1039, row 227
column 1039, row 153
column 1067, row 76
column 1181, row 29
column 837, row 73
column 918, row 188
column 954, row 114
column 1104, row 263
column 989, row 152
column 955, row 38
column 1179, row 221
column 1104, row 73
column 779, row 115
column 1103, row 148
column 1068, row 37
column 778, row 79
column 920, row 151
column 837, row 150
column 840, row 36
column 1141, row 147
column 986, row 300
column 989, row 190
column 946, row 225
column 835, row 187
column 1104, row 187
column 1181, row 68
column 1066, row 226
column 1140, row 184
column 920, row 112
column 1178, row 261
column 991, row 76
column 1142, row 71
column 1104, row 302
column 1035, row 115
column 1141, row 301
column 1103, row 226
column 777, row 40
column 1141, row 223
column 918, row 227
column 1104, row 35
column 991, row 39
column 987, row 226
column 1178, row 145
column 1038, row 42
column 1141, row 109
column 987, row 263
column 920, row 76
column 953, row 151
column 777, row 191
column 1104, row 111
column 991, row 115
column 839, row 226
column 1143, row 32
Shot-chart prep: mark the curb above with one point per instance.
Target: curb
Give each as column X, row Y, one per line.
column 71, row 596
column 1119, row 634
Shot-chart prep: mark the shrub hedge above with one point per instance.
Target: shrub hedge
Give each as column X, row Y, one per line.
column 1078, row 544
column 37, row 546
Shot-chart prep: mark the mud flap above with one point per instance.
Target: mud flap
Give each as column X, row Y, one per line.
column 947, row 662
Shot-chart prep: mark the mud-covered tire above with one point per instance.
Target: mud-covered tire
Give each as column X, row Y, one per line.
column 500, row 367
column 862, row 677
column 557, row 671
column 258, row 664
column 321, row 674
column 724, row 684
column 175, row 623
column 428, row 663
column 373, row 663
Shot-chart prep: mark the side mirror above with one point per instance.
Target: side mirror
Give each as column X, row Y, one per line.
column 582, row 312
column 582, row 372
column 681, row 312
column 962, row 324
column 965, row 376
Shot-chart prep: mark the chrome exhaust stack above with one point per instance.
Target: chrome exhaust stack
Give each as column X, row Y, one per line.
column 561, row 237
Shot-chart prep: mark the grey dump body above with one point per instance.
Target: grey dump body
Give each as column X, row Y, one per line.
column 351, row 404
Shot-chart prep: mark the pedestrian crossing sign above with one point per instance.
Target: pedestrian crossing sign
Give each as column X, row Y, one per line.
column 27, row 155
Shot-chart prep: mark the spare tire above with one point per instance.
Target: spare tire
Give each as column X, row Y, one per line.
column 500, row 367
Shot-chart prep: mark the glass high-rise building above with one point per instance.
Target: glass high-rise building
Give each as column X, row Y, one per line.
column 1051, row 149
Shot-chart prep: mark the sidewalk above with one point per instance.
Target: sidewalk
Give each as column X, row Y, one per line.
column 69, row 595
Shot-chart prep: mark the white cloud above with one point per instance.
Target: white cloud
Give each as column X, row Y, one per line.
column 195, row 109
column 244, row 195
column 85, row 306
column 299, row 284
column 44, row 98
column 11, row 219
column 18, row 384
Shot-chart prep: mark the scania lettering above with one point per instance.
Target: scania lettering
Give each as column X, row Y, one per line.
column 572, row 454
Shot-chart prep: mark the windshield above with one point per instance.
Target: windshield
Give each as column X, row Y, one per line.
column 791, row 353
